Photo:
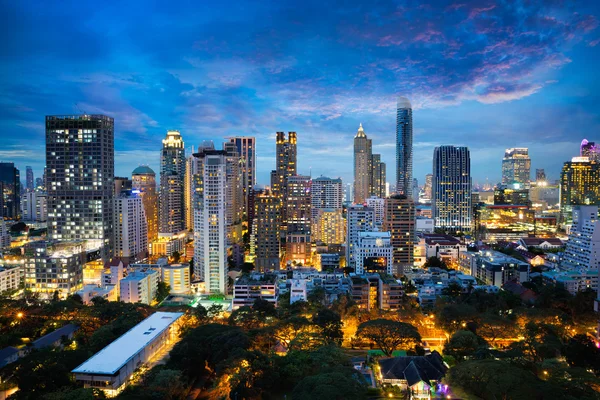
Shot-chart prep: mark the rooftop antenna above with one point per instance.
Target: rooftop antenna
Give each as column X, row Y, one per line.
column 79, row 109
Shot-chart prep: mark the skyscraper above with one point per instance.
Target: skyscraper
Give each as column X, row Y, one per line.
column 378, row 176
column 360, row 219
column 29, row 185
column 329, row 227
column 246, row 148
column 80, row 164
column 172, row 173
column 579, row 185
column 590, row 150
column 540, row 176
column 363, row 168
column 234, row 197
column 266, row 230
column 10, row 190
column 451, row 203
column 399, row 220
column 428, row 186
column 404, row 147
column 210, row 220
column 326, row 193
column 122, row 184
column 298, row 215
column 130, row 226
column 516, row 166
column 144, row 180
column 285, row 158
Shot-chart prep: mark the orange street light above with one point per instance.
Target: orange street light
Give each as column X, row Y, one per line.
column 20, row 315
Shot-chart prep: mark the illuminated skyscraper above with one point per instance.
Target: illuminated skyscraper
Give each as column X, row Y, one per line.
column 516, row 167
column 378, row 176
column 428, row 186
column 363, row 168
column 329, row 227
column 326, row 193
column 404, row 147
column 266, row 230
column 80, row 170
column 590, row 150
column 172, row 173
column 579, row 185
column 29, row 179
column 451, row 203
column 144, row 179
column 298, row 224
column 359, row 219
column 286, row 164
column 246, row 148
column 399, row 221
column 130, row 226
column 10, row 191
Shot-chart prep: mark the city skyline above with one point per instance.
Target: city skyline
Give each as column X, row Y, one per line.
column 213, row 85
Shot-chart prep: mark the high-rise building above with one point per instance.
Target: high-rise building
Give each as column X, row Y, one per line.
column 415, row 190
column 378, row 176
column 399, row 221
column 378, row 206
column 428, row 186
column 29, row 179
column 286, row 163
column 210, row 219
column 404, row 147
column 579, row 185
column 298, row 219
column 80, row 170
column 363, row 168
column 144, row 181
column 39, row 184
column 451, row 203
column 246, row 148
column 348, row 193
column 122, row 184
column 360, row 218
column 326, row 193
column 234, row 198
column 590, row 150
column 516, row 166
column 10, row 190
column 374, row 253
column 582, row 251
column 509, row 195
column 171, row 212
column 329, row 227
column 34, row 206
column 266, row 230
column 188, row 191
column 540, row 176
column 130, row 226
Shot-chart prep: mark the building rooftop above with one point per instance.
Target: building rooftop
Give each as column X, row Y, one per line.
column 111, row 358
column 143, row 170
column 429, row 368
column 52, row 337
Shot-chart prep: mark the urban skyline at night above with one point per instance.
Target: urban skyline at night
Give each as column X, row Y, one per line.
column 216, row 73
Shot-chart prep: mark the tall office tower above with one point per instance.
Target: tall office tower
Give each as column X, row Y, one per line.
column 39, row 184
column 52, row 267
column 329, row 227
column 400, row 222
column 326, row 193
column 188, row 192
column 80, row 159
column 29, row 179
column 234, row 197
column 130, row 226
column 122, row 184
column 516, row 166
column 590, row 150
column 267, row 222
column 579, row 185
column 415, row 190
column 404, row 147
column 10, row 189
column 378, row 176
column 363, row 168
column 378, row 206
column 540, row 176
column 360, row 218
column 428, row 186
column 171, row 212
column 34, row 207
column 210, row 220
column 246, row 148
column 144, row 180
column 451, row 203
column 298, row 219
column 582, row 251
column 286, row 165
column 348, row 193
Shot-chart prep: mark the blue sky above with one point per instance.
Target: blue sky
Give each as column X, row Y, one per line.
column 486, row 74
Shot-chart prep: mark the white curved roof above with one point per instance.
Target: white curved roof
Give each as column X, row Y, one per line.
column 403, row 102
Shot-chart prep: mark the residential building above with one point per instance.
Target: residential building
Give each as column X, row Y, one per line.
column 445, row 247
column 579, row 185
column 516, row 167
column 451, row 203
column 399, row 221
column 428, row 186
column 359, row 218
column 378, row 206
column 582, row 250
column 286, row 164
column 424, row 225
column 172, row 175
column 139, row 286
column 541, row 243
column 122, row 184
column 168, row 243
column 144, row 180
column 130, row 226
column 246, row 148
column 111, row 369
column 90, row 292
column 376, row 292
column 266, row 230
column 80, row 169
column 11, row 278
column 378, row 176
column 374, row 253
column 590, row 150
column 177, row 276
column 34, row 206
column 234, row 198
column 363, row 168
column 495, row 268
column 298, row 213
column 404, row 147
column 298, row 290
column 326, row 193
column 330, row 227
column 29, row 179
column 10, row 191
column 248, row 288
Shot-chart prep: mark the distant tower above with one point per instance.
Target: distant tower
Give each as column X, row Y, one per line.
column 363, row 169
column 404, row 147
column 144, row 179
column 286, row 165
column 246, row 148
column 172, row 173
column 29, row 179
column 516, row 166
column 399, row 220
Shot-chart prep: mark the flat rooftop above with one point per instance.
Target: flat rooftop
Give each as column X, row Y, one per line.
column 111, row 358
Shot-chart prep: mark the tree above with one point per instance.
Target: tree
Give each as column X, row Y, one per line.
column 541, row 341
column 287, row 330
column 452, row 316
column 462, row 345
column 330, row 385
column 162, row 291
column 453, row 290
column 581, row 351
column 176, row 256
column 389, row 335
column 330, row 323
column 435, row 262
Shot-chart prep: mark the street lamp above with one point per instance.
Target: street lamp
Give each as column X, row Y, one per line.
column 19, row 315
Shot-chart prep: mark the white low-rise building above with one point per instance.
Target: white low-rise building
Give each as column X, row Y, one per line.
column 89, row 292
column 248, row 288
column 298, row 290
column 177, row 276
column 139, row 286
column 10, row 278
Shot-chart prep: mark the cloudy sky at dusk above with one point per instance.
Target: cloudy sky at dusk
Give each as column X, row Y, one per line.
column 486, row 74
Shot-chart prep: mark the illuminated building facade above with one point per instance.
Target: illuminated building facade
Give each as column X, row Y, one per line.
column 172, row 173
column 246, row 148
column 326, row 193
column 590, row 150
column 144, row 180
column 266, row 230
column 80, row 169
column 579, row 185
column 330, row 227
column 399, row 221
column 516, row 167
column 374, row 253
column 298, row 205
column 359, row 219
column 404, row 147
column 286, row 164
column 10, row 191
column 130, row 227
column 363, row 169
column 378, row 176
